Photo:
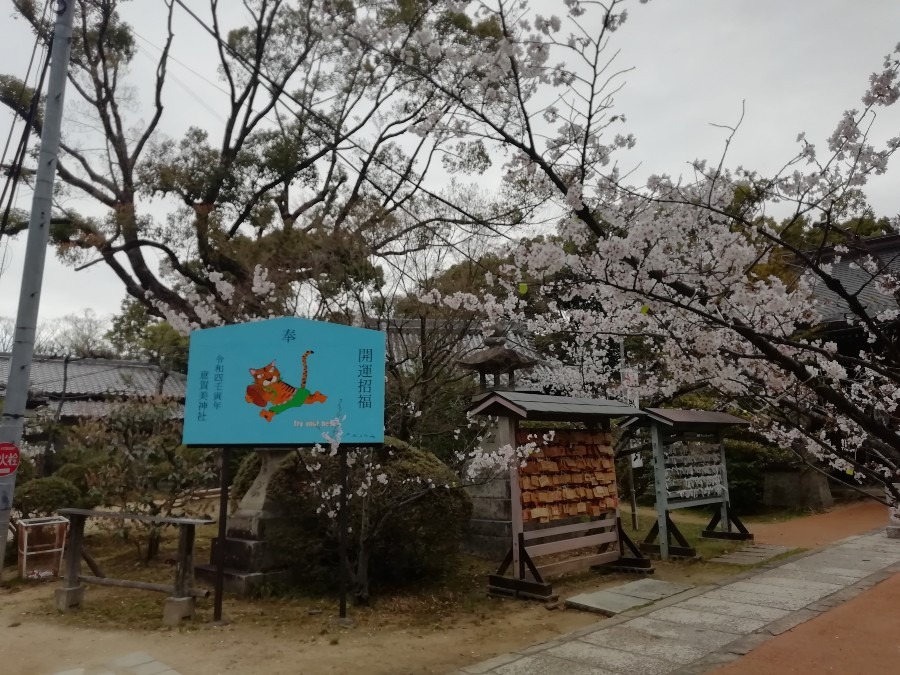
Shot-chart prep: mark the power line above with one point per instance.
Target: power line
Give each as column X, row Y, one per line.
column 37, row 42
column 18, row 164
column 15, row 170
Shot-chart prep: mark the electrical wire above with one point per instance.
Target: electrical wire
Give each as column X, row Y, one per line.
column 15, row 170
column 37, row 43
column 18, row 164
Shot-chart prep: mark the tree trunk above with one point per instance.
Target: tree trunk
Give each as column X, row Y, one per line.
column 360, row 590
column 153, row 542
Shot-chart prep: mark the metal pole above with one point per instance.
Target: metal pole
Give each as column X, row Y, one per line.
column 342, row 545
column 637, row 404
column 13, row 416
column 223, row 533
column 633, row 496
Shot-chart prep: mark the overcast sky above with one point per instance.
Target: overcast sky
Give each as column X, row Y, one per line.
column 797, row 64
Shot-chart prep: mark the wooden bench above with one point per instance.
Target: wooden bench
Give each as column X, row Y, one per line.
column 180, row 603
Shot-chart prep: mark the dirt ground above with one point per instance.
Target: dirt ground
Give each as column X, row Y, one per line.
column 40, row 647
column 860, row 636
column 295, row 636
column 823, row 528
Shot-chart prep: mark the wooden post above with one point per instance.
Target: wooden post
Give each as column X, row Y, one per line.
column 506, row 434
column 659, row 479
column 726, row 521
column 632, row 497
column 180, row 605
column 184, row 566
column 72, row 592
column 223, row 533
column 73, row 555
column 342, row 541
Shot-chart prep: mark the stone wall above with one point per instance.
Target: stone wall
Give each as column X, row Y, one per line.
column 490, row 530
column 797, row 489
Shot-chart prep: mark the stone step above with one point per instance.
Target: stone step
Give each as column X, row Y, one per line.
column 612, row 601
column 240, row 582
column 249, row 555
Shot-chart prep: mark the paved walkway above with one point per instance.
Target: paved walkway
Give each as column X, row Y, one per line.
column 751, row 555
column 135, row 663
column 860, row 636
column 702, row 629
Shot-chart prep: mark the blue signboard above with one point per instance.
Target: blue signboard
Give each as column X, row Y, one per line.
column 284, row 382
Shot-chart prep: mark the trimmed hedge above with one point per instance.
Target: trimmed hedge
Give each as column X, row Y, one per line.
column 45, row 496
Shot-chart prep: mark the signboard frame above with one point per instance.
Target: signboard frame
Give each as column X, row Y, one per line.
column 261, row 349
column 285, row 383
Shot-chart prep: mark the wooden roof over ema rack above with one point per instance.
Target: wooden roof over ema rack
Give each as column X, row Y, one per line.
column 543, row 407
column 685, row 420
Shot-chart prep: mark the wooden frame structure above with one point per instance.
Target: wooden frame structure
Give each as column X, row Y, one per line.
column 180, row 604
column 685, row 478
column 584, row 464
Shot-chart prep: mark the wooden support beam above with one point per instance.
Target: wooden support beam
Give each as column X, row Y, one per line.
column 519, row 587
column 143, row 586
column 572, row 544
column 582, row 563
column 91, row 563
column 742, row 534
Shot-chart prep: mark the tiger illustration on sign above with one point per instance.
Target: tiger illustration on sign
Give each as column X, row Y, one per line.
column 269, row 390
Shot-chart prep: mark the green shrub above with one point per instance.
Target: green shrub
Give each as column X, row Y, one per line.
column 422, row 540
column 407, row 542
column 26, row 471
column 141, row 466
column 85, row 478
column 747, row 461
column 45, row 496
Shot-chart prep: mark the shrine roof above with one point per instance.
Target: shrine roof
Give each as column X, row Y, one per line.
column 544, row 407
column 685, row 420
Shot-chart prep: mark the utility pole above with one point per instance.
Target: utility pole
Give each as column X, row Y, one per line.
column 12, row 420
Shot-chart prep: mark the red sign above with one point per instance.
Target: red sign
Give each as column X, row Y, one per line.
column 9, row 459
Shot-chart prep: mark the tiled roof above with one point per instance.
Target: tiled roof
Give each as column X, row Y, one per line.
column 96, row 378
column 94, row 409
column 855, row 279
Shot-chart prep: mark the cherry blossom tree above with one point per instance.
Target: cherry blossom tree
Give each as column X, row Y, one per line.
column 687, row 262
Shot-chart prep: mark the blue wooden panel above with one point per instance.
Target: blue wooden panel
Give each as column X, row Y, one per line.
column 283, row 382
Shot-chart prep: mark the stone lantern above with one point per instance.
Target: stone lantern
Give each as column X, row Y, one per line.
column 496, row 359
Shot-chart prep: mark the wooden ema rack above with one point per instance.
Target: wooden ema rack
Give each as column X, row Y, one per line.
column 563, row 499
column 576, row 477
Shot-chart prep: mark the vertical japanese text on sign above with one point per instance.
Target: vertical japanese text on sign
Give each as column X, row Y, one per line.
column 364, row 382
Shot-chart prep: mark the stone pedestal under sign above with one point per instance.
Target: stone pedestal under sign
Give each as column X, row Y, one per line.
column 249, row 561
